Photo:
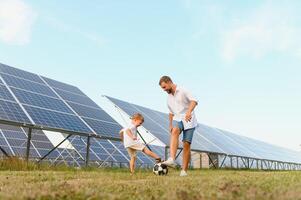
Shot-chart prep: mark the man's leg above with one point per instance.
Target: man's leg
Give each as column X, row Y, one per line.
column 186, row 155
column 187, row 140
column 174, row 142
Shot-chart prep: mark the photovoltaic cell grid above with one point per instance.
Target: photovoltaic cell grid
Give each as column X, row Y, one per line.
column 50, row 103
column 43, row 99
column 14, row 140
column 209, row 139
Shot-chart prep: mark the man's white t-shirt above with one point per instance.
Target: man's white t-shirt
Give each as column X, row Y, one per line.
column 127, row 140
column 178, row 104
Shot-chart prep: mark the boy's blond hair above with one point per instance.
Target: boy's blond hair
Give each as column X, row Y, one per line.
column 138, row 116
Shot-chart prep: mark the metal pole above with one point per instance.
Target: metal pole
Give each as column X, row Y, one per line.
column 28, row 143
column 231, row 160
column 88, row 151
column 166, row 153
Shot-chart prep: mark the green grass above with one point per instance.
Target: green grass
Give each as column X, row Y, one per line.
column 44, row 182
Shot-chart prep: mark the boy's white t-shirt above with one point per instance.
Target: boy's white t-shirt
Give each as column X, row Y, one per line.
column 127, row 140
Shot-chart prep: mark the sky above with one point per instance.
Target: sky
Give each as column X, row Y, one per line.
column 241, row 59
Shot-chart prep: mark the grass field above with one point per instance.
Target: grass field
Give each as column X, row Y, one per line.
column 66, row 183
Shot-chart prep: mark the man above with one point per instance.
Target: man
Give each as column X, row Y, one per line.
column 181, row 105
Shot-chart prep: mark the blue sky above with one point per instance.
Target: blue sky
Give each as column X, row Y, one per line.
column 240, row 58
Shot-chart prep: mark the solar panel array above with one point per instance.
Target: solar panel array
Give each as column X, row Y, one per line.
column 209, row 139
column 29, row 98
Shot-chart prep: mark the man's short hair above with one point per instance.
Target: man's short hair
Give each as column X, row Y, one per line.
column 165, row 79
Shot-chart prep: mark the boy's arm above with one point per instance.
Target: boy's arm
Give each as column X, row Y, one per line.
column 129, row 133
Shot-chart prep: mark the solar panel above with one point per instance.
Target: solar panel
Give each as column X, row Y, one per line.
column 41, row 101
column 12, row 111
column 15, row 140
column 80, row 99
column 53, row 119
column 51, row 104
column 63, row 86
column 209, row 139
column 5, row 69
column 27, row 85
column 5, row 94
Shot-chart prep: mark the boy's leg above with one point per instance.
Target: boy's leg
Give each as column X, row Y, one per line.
column 132, row 164
column 132, row 154
column 150, row 153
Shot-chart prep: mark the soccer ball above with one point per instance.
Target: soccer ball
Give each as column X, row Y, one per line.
column 160, row 169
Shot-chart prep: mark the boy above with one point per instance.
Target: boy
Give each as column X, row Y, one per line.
column 132, row 144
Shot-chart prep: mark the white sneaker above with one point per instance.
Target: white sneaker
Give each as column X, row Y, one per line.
column 170, row 163
column 183, row 173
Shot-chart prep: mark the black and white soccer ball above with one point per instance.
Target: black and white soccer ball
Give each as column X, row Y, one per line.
column 160, row 169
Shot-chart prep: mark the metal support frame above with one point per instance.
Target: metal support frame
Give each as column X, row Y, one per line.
column 222, row 164
column 247, row 161
column 28, row 143
column 54, row 148
column 179, row 154
column 144, row 141
column 88, row 151
column 212, row 162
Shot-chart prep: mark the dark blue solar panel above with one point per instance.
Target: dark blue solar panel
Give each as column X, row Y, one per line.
column 41, row 101
column 20, row 73
column 221, row 141
column 4, row 145
column 28, row 85
column 63, row 86
column 5, row 94
column 91, row 112
column 13, row 112
column 56, row 120
column 201, row 143
column 84, row 100
column 18, row 139
column 104, row 128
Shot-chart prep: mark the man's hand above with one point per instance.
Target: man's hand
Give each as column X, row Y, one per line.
column 188, row 117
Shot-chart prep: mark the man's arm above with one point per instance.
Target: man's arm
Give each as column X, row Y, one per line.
column 192, row 106
column 170, row 121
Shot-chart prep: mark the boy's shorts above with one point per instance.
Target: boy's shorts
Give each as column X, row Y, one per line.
column 132, row 150
column 187, row 134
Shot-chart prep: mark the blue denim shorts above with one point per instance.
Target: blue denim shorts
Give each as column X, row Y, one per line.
column 187, row 134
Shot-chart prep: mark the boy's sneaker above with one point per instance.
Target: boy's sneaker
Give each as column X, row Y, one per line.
column 170, row 163
column 183, row 173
